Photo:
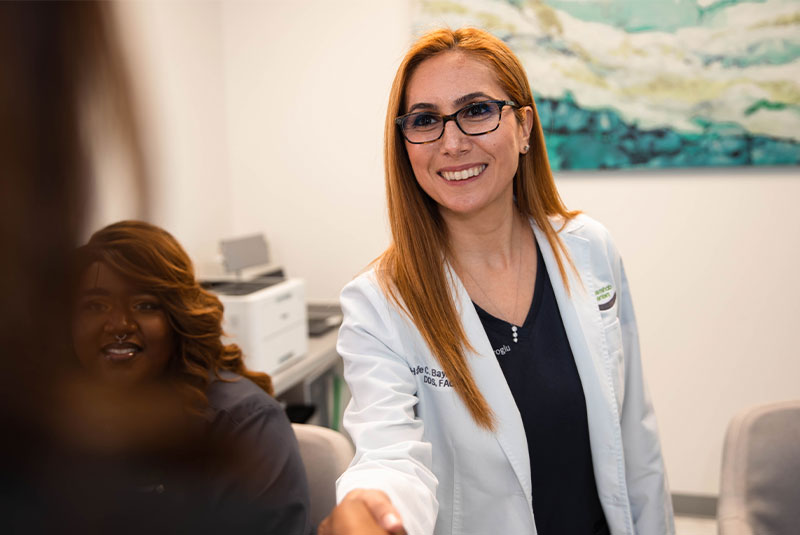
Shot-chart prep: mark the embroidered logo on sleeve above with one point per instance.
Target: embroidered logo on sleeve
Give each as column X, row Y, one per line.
column 606, row 297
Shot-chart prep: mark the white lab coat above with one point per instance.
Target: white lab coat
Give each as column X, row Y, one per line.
column 417, row 442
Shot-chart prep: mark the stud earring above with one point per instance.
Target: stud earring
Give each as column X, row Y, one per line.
column 525, row 149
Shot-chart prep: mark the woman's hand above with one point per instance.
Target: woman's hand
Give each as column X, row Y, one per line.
column 363, row 512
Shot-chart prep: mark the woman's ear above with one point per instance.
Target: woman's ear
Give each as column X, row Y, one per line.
column 525, row 127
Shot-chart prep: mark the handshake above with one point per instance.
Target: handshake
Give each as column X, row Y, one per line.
column 363, row 512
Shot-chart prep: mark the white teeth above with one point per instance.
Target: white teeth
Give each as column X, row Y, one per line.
column 120, row 351
column 463, row 174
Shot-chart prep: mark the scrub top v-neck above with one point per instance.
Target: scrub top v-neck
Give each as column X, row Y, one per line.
column 541, row 373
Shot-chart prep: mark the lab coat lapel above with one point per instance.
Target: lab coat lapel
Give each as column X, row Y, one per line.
column 491, row 382
column 583, row 325
column 579, row 311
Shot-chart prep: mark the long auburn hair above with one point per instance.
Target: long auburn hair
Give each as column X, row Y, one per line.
column 151, row 257
column 412, row 270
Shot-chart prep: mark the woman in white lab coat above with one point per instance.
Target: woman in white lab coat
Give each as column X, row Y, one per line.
column 492, row 351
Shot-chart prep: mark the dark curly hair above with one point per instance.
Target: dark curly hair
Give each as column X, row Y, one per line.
column 153, row 259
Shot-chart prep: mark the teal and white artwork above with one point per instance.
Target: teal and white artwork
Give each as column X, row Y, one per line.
column 651, row 83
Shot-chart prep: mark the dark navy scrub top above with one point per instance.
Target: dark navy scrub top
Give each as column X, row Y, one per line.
column 541, row 373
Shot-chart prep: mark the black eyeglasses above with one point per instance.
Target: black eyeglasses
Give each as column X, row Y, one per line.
column 474, row 119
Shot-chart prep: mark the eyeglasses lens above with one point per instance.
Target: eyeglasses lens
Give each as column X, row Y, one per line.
column 474, row 119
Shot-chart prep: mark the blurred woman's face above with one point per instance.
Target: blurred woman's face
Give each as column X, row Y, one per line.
column 120, row 332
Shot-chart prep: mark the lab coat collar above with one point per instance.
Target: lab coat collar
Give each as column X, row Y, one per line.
column 557, row 223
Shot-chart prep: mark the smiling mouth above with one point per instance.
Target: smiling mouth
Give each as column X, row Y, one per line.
column 463, row 174
column 121, row 352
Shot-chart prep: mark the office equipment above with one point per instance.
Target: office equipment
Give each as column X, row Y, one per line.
column 243, row 259
column 323, row 317
column 242, row 253
column 267, row 318
column 272, row 329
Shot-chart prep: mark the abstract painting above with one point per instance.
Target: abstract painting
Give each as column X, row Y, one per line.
column 651, row 83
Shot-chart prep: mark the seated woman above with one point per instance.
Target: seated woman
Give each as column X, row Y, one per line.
column 142, row 319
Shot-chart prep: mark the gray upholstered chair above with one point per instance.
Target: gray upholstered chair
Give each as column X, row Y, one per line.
column 326, row 454
column 760, row 479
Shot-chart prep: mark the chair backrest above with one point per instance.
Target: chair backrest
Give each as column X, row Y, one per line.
column 326, row 454
column 760, row 479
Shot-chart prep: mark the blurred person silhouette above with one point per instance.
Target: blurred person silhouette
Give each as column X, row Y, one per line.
column 58, row 62
column 77, row 448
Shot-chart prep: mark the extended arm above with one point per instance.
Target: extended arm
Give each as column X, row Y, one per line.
column 391, row 454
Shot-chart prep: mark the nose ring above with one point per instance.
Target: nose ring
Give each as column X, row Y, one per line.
column 120, row 337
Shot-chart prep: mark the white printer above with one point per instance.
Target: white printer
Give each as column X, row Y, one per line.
column 267, row 318
column 264, row 314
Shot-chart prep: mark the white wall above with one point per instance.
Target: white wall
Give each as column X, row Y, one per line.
column 268, row 116
column 176, row 55
column 306, row 96
column 712, row 256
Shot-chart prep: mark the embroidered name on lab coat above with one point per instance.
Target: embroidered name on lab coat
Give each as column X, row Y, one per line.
column 606, row 297
column 432, row 376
